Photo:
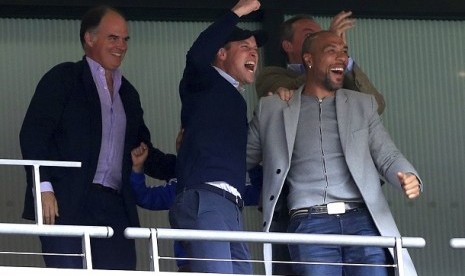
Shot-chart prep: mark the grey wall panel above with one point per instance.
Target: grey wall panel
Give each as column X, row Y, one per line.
column 417, row 65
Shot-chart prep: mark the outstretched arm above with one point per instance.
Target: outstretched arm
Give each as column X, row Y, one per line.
column 244, row 7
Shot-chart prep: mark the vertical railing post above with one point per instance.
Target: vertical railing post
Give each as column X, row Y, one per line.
column 86, row 250
column 154, row 258
column 398, row 257
column 37, row 195
column 397, row 244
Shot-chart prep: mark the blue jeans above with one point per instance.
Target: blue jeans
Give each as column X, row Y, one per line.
column 353, row 222
column 205, row 210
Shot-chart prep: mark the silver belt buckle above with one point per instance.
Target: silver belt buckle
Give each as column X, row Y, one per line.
column 335, row 208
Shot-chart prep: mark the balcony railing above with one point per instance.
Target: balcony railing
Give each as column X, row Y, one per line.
column 155, row 234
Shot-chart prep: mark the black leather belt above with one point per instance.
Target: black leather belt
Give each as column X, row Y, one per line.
column 106, row 189
column 328, row 209
column 235, row 199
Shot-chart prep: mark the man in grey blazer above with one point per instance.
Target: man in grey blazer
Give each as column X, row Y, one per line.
column 277, row 79
column 328, row 146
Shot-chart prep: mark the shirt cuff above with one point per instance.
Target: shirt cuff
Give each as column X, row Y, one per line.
column 46, row 186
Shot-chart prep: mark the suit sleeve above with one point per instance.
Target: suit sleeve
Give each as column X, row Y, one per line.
column 387, row 157
column 254, row 148
column 43, row 117
column 273, row 77
column 160, row 165
column 202, row 53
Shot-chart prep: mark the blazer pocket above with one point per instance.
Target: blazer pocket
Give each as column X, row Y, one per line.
column 360, row 139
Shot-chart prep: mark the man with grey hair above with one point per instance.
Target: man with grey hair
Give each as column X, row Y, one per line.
column 87, row 111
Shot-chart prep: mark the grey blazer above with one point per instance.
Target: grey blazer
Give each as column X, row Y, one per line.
column 368, row 149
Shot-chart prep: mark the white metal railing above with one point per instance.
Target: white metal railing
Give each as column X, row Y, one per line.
column 36, row 164
column 153, row 234
column 86, row 232
column 39, row 229
column 457, row 243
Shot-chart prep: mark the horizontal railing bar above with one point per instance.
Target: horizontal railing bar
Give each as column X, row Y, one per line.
column 273, row 237
column 41, row 254
column 40, row 163
column 15, row 270
column 457, row 243
column 56, row 230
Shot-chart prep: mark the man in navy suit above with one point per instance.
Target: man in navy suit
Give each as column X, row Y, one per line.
column 88, row 112
column 211, row 164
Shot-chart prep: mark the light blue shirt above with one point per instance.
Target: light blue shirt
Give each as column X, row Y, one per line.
column 230, row 79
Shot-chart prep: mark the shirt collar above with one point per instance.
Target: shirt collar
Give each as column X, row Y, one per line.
column 296, row 67
column 230, row 79
column 96, row 67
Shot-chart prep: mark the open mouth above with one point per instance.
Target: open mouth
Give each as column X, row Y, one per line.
column 337, row 70
column 250, row 65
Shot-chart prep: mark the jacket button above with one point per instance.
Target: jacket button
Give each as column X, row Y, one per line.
column 278, row 171
column 272, row 197
column 264, row 223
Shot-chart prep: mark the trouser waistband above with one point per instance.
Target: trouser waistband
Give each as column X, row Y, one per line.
column 235, row 199
column 106, row 189
column 334, row 208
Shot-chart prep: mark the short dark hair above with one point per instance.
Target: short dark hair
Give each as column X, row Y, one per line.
column 92, row 18
column 286, row 32
column 308, row 42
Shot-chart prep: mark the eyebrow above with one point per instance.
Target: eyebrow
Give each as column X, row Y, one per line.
column 335, row 45
column 117, row 36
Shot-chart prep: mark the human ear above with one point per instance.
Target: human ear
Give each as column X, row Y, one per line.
column 286, row 45
column 89, row 39
column 307, row 60
column 221, row 54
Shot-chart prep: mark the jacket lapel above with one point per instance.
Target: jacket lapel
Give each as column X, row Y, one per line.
column 343, row 118
column 291, row 119
column 93, row 100
column 344, row 122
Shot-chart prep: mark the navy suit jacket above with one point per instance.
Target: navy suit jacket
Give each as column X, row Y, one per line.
column 213, row 115
column 63, row 122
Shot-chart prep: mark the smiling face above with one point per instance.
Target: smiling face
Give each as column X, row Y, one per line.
column 327, row 54
column 107, row 44
column 239, row 59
